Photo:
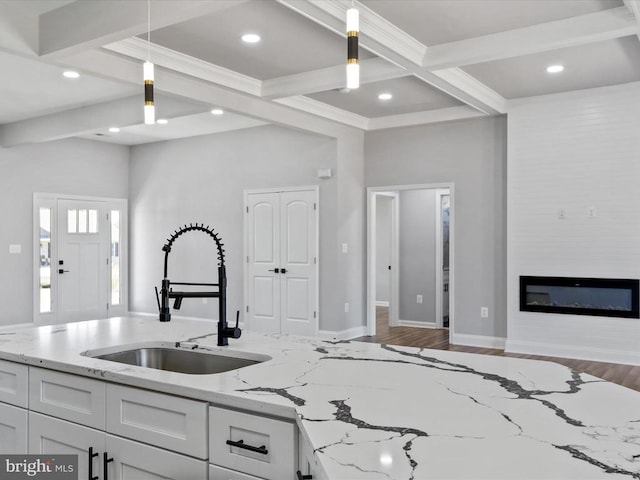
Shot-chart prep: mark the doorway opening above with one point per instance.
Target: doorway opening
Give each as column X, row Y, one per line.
column 410, row 256
column 80, row 258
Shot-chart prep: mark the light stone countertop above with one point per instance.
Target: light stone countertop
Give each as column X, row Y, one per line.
column 382, row 412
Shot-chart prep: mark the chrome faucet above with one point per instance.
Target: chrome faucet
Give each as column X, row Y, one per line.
column 167, row 293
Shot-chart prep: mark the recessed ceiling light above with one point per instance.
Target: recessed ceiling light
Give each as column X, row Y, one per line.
column 70, row 74
column 555, row 68
column 385, row 96
column 250, row 38
column 162, row 121
column 114, row 129
column 217, row 111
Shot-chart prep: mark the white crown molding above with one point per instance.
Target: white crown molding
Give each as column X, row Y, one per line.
column 473, row 88
column 634, row 7
column 569, row 32
column 321, row 109
column 182, row 63
column 330, row 78
column 421, row 118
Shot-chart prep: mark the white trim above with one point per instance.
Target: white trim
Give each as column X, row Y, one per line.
column 381, row 303
column 416, row 324
column 245, row 245
column 575, row 352
column 371, row 248
column 421, row 118
column 394, row 308
column 325, row 110
column 477, row 340
column 348, row 334
column 491, row 102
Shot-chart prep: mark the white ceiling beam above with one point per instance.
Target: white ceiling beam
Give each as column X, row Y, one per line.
column 80, row 121
column 421, row 118
column 180, row 62
column 634, row 8
column 331, row 78
column 388, row 42
column 324, row 110
column 84, row 25
column 570, row 32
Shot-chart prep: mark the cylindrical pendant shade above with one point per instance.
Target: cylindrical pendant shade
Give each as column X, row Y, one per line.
column 353, row 75
column 353, row 20
column 149, row 109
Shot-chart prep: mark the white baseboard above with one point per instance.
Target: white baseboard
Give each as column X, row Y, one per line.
column 381, row 303
column 347, row 334
column 413, row 323
column 477, row 340
column 572, row 351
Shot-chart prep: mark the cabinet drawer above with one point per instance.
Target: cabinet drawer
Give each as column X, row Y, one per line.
column 77, row 399
column 13, row 383
column 277, row 461
column 135, row 461
column 166, row 421
column 219, row 473
column 13, row 429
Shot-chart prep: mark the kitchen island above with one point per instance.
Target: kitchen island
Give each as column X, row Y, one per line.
column 373, row 411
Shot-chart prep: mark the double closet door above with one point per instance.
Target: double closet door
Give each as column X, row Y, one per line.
column 282, row 261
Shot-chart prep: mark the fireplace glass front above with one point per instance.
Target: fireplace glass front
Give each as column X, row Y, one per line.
column 608, row 297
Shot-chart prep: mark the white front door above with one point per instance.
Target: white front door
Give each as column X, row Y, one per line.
column 83, row 255
column 282, row 261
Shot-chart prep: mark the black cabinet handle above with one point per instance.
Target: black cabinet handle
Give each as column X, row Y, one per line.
column 105, row 465
column 303, row 477
column 92, row 455
column 240, row 444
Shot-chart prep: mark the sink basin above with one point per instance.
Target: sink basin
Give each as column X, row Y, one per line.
column 166, row 356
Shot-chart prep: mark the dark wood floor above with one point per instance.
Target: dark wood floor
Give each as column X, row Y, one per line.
column 626, row 375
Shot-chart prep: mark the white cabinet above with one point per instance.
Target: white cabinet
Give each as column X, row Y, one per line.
column 259, row 446
column 220, row 473
column 13, row 383
column 174, row 423
column 51, row 435
column 13, row 429
column 77, row 399
column 307, row 464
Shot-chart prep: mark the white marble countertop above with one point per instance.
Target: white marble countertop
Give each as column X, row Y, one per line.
column 382, row 412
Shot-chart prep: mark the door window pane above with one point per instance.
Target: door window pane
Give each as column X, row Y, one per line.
column 93, row 221
column 82, row 221
column 115, row 257
column 72, row 220
column 45, row 260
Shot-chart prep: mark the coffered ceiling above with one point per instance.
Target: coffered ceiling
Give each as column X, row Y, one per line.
column 439, row 59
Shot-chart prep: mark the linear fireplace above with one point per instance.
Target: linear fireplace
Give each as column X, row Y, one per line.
column 605, row 297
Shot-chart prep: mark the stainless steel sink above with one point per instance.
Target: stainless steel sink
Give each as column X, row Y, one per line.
column 164, row 356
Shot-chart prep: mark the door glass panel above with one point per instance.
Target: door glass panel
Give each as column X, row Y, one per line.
column 45, row 260
column 82, row 221
column 72, row 220
column 93, row 220
column 115, row 257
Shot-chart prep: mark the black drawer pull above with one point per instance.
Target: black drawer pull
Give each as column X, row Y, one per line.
column 240, row 444
column 303, row 477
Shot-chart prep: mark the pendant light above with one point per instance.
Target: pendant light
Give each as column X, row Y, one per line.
column 353, row 63
column 147, row 70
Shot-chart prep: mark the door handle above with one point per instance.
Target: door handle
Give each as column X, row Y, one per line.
column 62, row 271
column 276, row 270
column 283, row 270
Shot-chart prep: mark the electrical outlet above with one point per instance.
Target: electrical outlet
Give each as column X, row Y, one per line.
column 562, row 214
column 418, row 298
column 346, row 307
column 591, row 212
column 484, row 312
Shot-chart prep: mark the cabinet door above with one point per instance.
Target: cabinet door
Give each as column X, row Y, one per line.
column 51, row 435
column 13, row 383
column 136, row 461
column 13, row 429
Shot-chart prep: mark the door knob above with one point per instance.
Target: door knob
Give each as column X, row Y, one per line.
column 62, row 271
column 283, row 270
column 276, row 270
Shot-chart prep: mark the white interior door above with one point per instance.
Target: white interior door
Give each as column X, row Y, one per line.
column 83, row 255
column 281, row 239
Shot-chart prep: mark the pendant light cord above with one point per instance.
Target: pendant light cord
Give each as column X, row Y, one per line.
column 148, row 30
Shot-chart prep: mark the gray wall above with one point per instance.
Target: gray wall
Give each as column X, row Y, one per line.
column 417, row 272
column 73, row 167
column 383, row 248
column 202, row 179
column 472, row 155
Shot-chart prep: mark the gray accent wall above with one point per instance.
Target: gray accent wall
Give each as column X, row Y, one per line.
column 72, row 166
column 417, row 272
column 472, row 155
column 202, row 179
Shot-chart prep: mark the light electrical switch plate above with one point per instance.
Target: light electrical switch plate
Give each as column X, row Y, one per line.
column 346, row 307
column 484, row 312
column 418, row 298
column 15, row 248
column 345, row 248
